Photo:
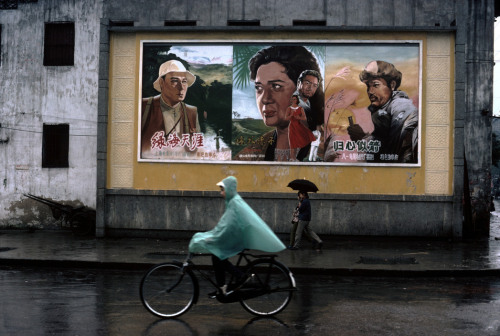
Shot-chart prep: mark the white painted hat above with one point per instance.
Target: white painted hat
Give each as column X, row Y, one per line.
column 173, row 66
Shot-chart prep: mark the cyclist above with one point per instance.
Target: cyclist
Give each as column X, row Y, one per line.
column 239, row 228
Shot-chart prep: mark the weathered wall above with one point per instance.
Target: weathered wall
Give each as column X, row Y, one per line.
column 478, row 101
column 171, row 213
column 353, row 200
column 32, row 94
column 336, row 13
column 433, row 178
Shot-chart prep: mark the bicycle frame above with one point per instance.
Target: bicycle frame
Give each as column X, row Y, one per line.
column 243, row 256
column 265, row 277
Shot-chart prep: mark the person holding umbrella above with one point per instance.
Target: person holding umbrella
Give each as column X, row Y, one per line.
column 303, row 225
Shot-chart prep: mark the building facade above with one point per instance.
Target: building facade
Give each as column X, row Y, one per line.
column 49, row 101
column 434, row 181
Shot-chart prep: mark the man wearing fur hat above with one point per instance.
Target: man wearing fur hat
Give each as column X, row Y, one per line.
column 167, row 112
column 393, row 113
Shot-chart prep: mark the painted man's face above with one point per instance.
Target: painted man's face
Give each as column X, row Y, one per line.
column 378, row 91
column 273, row 89
column 174, row 86
column 307, row 88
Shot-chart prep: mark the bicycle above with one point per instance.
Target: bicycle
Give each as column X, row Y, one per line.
column 170, row 289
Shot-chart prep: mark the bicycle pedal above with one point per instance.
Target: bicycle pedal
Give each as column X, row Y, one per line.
column 250, row 278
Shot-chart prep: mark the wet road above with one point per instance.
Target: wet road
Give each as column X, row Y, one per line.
column 98, row 302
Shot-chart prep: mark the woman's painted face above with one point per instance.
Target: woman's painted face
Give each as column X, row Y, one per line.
column 273, row 90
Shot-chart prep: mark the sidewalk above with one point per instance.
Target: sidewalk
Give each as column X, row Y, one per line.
column 370, row 256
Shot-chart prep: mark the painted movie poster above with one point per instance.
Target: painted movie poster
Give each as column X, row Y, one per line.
column 279, row 100
column 185, row 111
column 345, row 103
column 372, row 94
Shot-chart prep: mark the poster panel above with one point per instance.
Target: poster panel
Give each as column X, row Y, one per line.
column 185, row 110
column 372, row 99
column 347, row 103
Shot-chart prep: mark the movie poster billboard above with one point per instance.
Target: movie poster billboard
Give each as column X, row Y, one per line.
column 347, row 103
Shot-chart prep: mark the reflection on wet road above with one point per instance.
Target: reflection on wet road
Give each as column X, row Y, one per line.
column 97, row 302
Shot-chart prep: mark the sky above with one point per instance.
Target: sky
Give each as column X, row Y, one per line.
column 496, row 71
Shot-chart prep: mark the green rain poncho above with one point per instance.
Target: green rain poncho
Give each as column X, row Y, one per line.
column 239, row 228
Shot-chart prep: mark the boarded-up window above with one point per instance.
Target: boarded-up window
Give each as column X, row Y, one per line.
column 59, row 43
column 8, row 4
column 55, row 146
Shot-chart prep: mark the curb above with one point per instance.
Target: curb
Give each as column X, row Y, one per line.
column 296, row 270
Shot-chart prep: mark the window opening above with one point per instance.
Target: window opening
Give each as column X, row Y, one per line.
column 55, row 146
column 59, row 44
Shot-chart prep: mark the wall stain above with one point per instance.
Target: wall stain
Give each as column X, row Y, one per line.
column 30, row 214
column 410, row 183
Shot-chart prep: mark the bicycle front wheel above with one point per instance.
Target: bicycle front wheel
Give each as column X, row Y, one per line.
column 273, row 284
column 167, row 290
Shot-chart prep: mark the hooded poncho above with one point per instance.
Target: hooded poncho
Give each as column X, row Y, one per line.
column 239, row 228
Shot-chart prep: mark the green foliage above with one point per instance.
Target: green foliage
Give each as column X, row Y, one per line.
column 243, row 53
column 219, row 109
column 247, row 129
column 155, row 55
column 197, row 96
column 207, row 93
column 241, row 56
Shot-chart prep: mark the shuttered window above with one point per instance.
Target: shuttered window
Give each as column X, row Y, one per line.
column 55, row 146
column 59, row 44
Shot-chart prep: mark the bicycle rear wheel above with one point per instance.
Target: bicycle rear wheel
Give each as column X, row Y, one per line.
column 273, row 285
column 168, row 291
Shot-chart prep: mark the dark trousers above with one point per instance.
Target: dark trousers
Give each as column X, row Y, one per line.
column 223, row 266
column 303, row 152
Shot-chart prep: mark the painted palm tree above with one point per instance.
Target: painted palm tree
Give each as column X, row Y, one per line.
column 243, row 53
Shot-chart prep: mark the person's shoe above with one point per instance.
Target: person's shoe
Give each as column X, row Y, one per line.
column 222, row 291
column 293, row 248
column 319, row 247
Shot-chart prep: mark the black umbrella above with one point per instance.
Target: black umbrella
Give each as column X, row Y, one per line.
column 303, row 185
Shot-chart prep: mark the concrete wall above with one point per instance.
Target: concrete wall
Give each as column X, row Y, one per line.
column 432, row 208
column 180, row 213
column 32, row 94
column 478, row 103
column 154, row 196
column 336, row 13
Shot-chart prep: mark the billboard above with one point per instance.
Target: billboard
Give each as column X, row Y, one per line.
column 349, row 103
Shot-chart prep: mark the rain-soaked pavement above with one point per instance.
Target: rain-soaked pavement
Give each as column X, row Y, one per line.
column 52, row 283
column 106, row 302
